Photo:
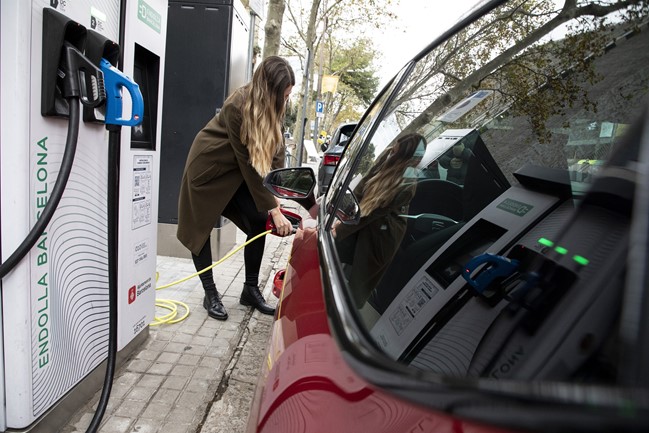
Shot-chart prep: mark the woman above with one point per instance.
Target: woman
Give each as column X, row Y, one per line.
column 384, row 195
column 223, row 177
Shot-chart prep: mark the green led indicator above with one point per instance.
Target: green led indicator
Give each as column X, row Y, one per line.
column 581, row 260
column 561, row 250
column 546, row 242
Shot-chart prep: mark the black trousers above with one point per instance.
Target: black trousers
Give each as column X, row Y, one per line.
column 242, row 211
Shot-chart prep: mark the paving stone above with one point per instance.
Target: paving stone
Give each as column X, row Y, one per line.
column 169, row 357
column 191, row 399
column 130, row 408
column 188, row 359
column 116, row 424
column 118, row 390
column 145, row 426
column 151, row 381
column 184, row 415
column 138, row 365
column 175, row 427
column 156, row 411
column 166, row 396
column 210, row 362
column 177, row 383
column 127, row 378
column 177, row 347
column 182, row 370
column 140, row 393
column 160, row 368
column 226, row 415
column 200, row 341
column 195, row 350
column 200, row 382
column 147, row 354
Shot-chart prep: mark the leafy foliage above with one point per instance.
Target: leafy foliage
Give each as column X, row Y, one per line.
column 332, row 30
column 520, row 46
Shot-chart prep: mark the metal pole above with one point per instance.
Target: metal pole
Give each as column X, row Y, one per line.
column 316, row 129
column 251, row 44
column 305, row 100
column 316, row 132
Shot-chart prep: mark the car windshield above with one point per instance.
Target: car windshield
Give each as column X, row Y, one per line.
column 532, row 96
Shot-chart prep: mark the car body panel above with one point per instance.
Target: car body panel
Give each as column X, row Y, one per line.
column 509, row 289
column 305, row 371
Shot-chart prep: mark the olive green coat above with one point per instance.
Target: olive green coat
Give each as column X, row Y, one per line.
column 217, row 163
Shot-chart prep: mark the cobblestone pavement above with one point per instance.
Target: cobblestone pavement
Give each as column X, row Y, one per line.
column 197, row 375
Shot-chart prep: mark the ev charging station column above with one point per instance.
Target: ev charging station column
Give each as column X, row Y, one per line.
column 14, row 77
column 54, row 306
column 54, row 302
column 143, row 52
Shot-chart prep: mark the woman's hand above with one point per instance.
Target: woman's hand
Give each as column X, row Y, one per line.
column 283, row 226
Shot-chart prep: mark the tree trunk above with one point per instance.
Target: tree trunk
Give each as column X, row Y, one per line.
column 273, row 27
column 308, row 75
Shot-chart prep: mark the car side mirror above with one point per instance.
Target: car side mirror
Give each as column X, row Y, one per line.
column 348, row 210
column 295, row 184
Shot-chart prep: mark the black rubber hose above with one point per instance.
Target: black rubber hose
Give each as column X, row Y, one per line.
column 113, row 218
column 55, row 197
column 114, row 142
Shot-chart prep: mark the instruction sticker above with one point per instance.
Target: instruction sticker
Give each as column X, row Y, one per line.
column 140, row 252
column 142, row 190
column 414, row 301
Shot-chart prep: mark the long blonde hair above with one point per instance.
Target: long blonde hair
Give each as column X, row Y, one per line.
column 263, row 111
column 386, row 176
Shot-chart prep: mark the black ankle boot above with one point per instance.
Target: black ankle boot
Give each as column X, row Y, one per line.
column 252, row 297
column 212, row 303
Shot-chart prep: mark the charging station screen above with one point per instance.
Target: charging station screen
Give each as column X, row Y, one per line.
column 474, row 241
column 146, row 74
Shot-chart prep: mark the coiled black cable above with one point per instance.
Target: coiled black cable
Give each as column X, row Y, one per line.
column 57, row 192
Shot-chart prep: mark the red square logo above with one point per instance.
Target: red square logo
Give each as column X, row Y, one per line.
column 131, row 295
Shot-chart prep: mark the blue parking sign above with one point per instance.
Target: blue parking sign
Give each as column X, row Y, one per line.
column 319, row 107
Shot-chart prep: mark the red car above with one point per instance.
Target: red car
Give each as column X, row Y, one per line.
column 464, row 272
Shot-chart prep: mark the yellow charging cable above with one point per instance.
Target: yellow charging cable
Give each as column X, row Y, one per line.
column 172, row 305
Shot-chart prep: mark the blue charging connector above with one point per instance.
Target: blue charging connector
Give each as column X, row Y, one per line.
column 115, row 81
column 495, row 267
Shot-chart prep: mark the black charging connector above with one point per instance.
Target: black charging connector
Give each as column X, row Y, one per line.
column 88, row 85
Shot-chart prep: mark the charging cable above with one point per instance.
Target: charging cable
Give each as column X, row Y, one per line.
column 172, row 305
column 81, row 81
column 115, row 81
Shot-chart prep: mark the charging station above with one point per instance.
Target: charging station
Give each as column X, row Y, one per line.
column 54, row 309
column 203, row 67
column 144, row 51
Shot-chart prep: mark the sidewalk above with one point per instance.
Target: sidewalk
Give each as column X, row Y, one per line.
column 198, row 375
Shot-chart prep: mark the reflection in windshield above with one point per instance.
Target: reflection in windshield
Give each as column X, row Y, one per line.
column 519, row 113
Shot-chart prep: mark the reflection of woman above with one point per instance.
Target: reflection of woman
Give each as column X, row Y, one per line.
column 384, row 195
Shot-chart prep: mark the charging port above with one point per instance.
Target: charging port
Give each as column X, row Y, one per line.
column 57, row 29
